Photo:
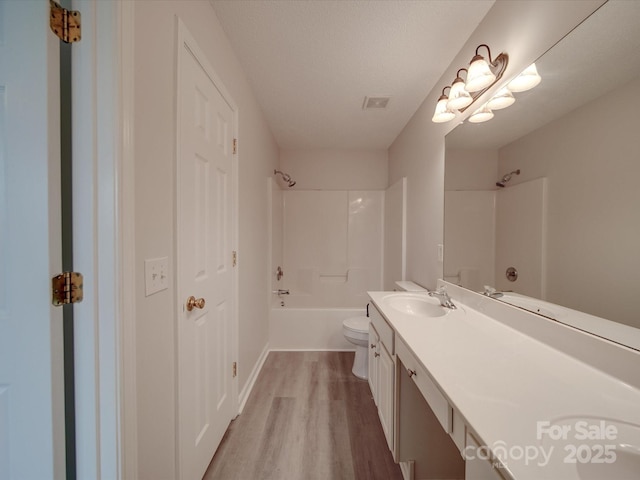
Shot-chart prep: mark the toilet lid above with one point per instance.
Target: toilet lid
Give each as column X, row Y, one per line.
column 357, row 324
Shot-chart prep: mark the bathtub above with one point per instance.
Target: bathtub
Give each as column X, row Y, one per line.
column 298, row 327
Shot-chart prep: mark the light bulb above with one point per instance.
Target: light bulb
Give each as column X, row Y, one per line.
column 442, row 113
column 479, row 75
column 528, row 79
column 503, row 99
column 481, row 115
column 458, row 96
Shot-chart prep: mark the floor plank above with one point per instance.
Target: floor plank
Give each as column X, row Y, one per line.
column 308, row 417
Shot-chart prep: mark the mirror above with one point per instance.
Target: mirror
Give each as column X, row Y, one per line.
column 569, row 222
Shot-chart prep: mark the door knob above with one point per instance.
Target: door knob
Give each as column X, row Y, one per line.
column 194, row 302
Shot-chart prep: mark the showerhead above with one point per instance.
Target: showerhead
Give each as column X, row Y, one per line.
column 506, row 178
column 286, row 177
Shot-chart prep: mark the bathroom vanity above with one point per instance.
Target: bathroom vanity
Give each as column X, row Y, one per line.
column 489, row 390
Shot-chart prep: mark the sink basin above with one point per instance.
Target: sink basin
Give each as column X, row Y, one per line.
column 419, row 305
column 597, row 448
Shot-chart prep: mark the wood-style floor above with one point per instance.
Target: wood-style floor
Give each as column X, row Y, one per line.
column 307, row 418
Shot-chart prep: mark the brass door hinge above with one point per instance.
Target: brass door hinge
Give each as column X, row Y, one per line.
column 235, row 369
column 235, row 146
column 64, row 23
column 234, row 258
column 66, row 288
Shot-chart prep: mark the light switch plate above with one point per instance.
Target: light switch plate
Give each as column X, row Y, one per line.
column 156, row 275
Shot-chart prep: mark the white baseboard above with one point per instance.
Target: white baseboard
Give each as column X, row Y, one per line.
column 248, row 386
column 312, row 350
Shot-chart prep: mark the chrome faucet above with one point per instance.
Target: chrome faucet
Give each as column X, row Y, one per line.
column 442, row 295
column 280, row 292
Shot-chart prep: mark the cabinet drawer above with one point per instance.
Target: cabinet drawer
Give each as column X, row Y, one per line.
column 431, row 393
column 383, row 328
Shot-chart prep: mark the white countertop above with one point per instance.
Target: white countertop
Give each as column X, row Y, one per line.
column 504, row 382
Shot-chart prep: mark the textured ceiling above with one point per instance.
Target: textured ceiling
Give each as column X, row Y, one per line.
column 312, row 62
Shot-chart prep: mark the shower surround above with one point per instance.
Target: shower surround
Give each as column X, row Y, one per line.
column 332, row 246
column 332, row 254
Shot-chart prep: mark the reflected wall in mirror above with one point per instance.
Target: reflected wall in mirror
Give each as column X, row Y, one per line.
column 570, row 221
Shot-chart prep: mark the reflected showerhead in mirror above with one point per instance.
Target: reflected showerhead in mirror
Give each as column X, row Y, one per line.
column 502, row 182
column 286, row 177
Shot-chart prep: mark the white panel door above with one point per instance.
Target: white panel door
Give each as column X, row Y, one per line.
column 205, row 136
column 31, row 382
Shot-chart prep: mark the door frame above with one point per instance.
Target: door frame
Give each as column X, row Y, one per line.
column 103, row 187
column 184, row 38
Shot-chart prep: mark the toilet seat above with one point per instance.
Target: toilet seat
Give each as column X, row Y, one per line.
column 357, row 324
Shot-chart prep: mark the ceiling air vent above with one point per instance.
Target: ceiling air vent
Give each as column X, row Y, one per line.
column 375, row 103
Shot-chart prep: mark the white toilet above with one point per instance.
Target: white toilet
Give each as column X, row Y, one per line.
column 356, row 330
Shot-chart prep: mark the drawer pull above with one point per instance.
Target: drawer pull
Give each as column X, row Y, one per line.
column 376, row 354
column 411, row 372
column 373, row 345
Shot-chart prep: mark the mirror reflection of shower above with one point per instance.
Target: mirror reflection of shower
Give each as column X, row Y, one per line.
column 286, row 177
column 506, row 178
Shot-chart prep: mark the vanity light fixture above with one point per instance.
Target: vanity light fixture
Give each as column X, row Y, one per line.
column 443, row 113
column 528, row 79
column 483, row 114
column 459, row 97
column 503, row 99
column 481, row 75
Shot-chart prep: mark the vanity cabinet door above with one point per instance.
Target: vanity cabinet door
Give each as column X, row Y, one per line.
column 386, row 394
column 478, row 468
column 383, row 329
column 374, row 348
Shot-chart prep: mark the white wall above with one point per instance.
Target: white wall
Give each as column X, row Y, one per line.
column 154, row 127
column 336, row 169
column 590, row 157
column 395, row 234
column 471, row 169
column 524, row 30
